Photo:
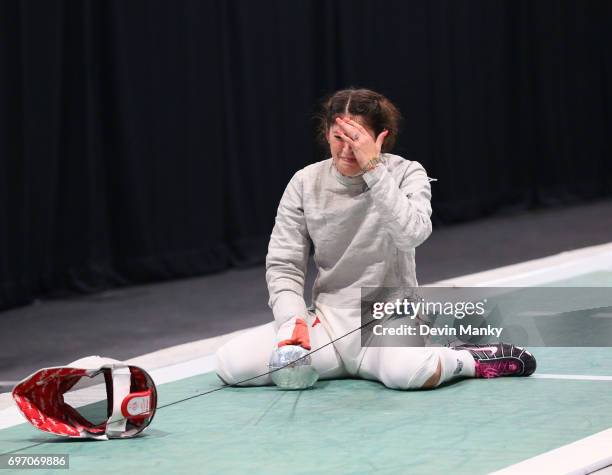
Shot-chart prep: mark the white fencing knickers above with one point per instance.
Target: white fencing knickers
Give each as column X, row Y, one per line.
column 248, row 354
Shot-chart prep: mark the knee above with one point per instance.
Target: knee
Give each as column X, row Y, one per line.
column 221, row 367
column 233, row 366
column 434, row 379
column 421, row 372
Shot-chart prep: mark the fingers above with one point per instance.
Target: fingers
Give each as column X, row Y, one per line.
column 357, row 125
column 345, row 126
column 347, row 138
column 346, row 134
column 352, row 131
column 350, row 127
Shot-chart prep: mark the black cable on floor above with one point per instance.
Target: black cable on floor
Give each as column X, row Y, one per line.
column 267, row 373
column 225, row 386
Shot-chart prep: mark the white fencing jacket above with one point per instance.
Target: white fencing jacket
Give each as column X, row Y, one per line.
column 364, row 230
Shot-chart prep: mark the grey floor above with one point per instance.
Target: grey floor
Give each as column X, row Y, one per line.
column 128, row 322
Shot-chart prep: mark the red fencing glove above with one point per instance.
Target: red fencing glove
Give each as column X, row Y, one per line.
column 294, row 332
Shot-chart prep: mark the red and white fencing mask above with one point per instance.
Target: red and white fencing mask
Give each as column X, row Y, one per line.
column 131, row 399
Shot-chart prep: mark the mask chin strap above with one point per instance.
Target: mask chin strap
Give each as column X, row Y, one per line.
column 116, row 424
column 126, row 405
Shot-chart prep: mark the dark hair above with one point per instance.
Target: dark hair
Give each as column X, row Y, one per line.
column 377, row 112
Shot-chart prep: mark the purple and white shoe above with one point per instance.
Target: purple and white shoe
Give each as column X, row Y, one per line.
column 500, row 359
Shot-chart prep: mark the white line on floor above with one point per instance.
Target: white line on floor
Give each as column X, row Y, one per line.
column 578, row 458
column 538, row 271
column 578, row 377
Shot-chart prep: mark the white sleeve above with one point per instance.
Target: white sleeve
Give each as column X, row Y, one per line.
column 405, row 206
column 287, row 258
